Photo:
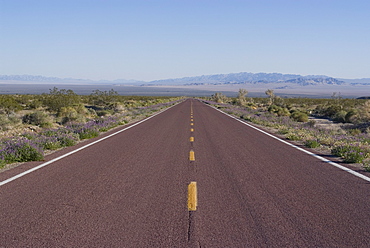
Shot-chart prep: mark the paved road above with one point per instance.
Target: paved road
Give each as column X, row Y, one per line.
column 131, row 190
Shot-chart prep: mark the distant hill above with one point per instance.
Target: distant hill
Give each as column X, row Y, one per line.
column 254, row 78
column 232, row 77
column 284, row 80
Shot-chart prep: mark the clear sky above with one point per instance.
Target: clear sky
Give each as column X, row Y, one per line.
column 159, row 39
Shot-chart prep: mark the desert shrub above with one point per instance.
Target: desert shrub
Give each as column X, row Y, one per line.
column 72, row 114
column 273, row 108
column 340, row 116
column 350, row 153
column 351, row 116
column 48, row 143
column 34, row 104
column 58, row 99
column 20, row 150
column 9, row 104
column 354, row 131
column 278, row 110
column 283, row 112
column 101, row 113
column 64, row 136
column 68, row 139
column 311, row 123
column 312, row 143
column 2, row 163
column 84, row 131
column 246, row 117
column 4, row 122
column 116, row 107
column 331, row 110
column 9, row 120
column 283, row 131
column 292, row 136
column 29, row 136
column 366, row 164
column 88, row 133
column 299, row 116
column 37, row 118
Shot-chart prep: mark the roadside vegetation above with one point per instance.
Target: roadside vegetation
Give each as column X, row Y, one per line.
column 298, row 119
column 32, row 125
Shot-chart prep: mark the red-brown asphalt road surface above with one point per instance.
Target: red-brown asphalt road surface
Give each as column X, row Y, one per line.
column 130, row 190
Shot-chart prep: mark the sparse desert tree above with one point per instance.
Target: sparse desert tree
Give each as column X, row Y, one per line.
column 60, row 98
column 100, row 98
column 271, row 95
column 241, row 96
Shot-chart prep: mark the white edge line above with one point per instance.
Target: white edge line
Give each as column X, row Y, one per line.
column 78, row 149
column 296, row 147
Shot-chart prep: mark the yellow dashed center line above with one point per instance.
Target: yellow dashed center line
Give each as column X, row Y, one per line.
column 191, row 155
column 192, row 187
column 192, row 196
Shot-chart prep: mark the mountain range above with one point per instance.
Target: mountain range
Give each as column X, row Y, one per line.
column 217, row 79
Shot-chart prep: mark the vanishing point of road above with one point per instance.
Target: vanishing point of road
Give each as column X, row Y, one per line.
column 190, row 176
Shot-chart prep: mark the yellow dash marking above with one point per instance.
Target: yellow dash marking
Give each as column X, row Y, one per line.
column 191, row 124
column 191, row 155
column 191, row 129
column 192, row 196
column 192, row 119
column 191, row 139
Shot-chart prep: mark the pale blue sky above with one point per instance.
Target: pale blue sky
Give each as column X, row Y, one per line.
column 158, row 39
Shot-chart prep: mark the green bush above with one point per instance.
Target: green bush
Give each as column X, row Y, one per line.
column 299, row 116
column 293, row 137
column 350, row 154
column 101, row 113
column 37, row 118
column 279, row 111
column 351, row 116
column 2, row 163
column 51, row 144
column 354, row 131
column 9, row 104
column 332, row 110
column 72, row 114
column 283, row 131
column 246, row 117
column 366, row 164
column 340, row 116
column 68, row 140
column 21, row 150
column 312, row 143
column 88, row 134
column 4, row 122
